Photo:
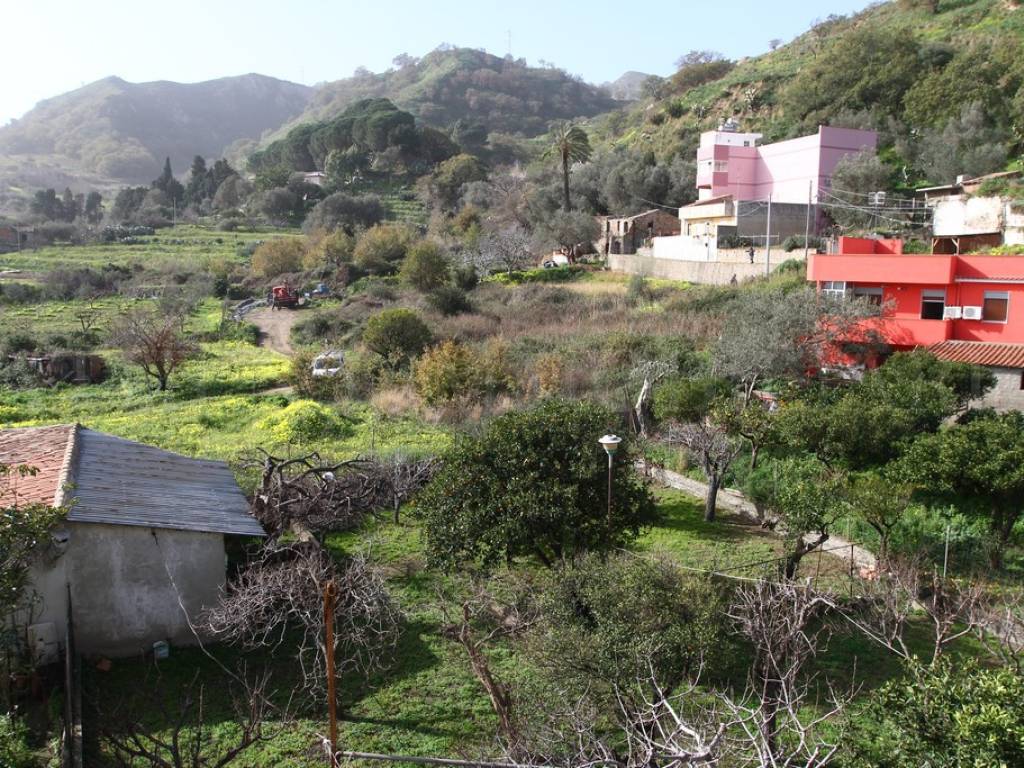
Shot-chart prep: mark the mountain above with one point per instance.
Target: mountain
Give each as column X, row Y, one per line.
column 910, row 69
column 120, row 131
column 627, row 87
column 500, row 95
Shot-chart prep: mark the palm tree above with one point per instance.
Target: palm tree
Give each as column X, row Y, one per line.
column 571, row 145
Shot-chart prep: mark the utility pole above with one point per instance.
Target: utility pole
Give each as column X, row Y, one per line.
column 768, row 240
column 332, row 713
column 807, row 221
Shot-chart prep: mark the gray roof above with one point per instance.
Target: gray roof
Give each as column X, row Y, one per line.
column 121, row 482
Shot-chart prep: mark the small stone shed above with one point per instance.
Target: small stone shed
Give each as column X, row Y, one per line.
column 141, row 552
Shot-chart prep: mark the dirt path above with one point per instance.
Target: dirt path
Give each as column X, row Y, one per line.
column 275, row 327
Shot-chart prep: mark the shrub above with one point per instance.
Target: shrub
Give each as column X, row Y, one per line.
column 381, row 248
column 452, row 371
column 534, row 484
column 687, row 400
column 396, row 334
column 321, row 325
column 328, row 249
column 561, row 274
column 425, row 267
column 323, row 388
column 276, row 257
column 639, row 291
column 550, row 372
column 793, row 242
column 450, row 300
column 304, row 421
column 465, row 277
column 14, row 749
column 344, row 211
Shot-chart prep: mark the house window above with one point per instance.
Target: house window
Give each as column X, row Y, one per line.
column 873, row 295
column 834, row 289
column 720, row 166
column 933, row 304
column 995, row 306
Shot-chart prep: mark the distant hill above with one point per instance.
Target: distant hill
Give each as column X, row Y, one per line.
column 627, row 87
column 121, row 131
column 448, row 85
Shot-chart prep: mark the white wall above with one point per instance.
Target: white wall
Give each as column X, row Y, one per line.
column 685, row 248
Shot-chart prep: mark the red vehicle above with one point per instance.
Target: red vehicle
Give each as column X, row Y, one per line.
column 283, row 296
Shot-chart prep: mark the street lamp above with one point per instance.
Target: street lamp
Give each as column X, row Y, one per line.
column 610, row 443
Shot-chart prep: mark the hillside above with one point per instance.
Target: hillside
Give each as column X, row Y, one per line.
column 447, row 85
column 627, row 86
column 901, row 67
column 122, row 131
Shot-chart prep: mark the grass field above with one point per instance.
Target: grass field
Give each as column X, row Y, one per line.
column 197, row 246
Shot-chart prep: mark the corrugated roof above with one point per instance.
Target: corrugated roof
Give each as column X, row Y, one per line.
column 120, row 482
column 980, row 353
column 45, row 449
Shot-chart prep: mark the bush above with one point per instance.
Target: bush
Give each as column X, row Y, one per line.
column 323, row 388
column 450, row 300
column 425, row 267
column 465, row 277
column 277, row 257
column 793, row 242
column 321, row 325
column 687, row 400
column 396, row 334
column 452, row 371
column 381, row 249
column 14, row 749
column 305, row 421
column 344, row 211
column 534, row 484
column 639, row 291
column 563, row 274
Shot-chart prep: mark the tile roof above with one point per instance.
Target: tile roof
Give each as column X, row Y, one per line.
column 115, row 481
column 43, row 448
column 980, row 353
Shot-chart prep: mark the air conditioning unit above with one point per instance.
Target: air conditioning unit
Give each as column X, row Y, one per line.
column 951, row 313
column 972, row 313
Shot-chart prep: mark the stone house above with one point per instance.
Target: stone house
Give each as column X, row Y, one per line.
column 141, row 551
column 627, row 234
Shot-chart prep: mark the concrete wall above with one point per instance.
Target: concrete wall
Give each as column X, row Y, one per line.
column 706, row 272
column 1007, row 394
column 122, row 597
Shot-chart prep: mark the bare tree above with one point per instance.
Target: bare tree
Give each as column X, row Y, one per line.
column 398, row 478
column 714, row 450
column 904, row 590
column 505, row 249
column 283, row 591
column 783, row 623
column 650, row 372
column 182, row 738
column 154, row 341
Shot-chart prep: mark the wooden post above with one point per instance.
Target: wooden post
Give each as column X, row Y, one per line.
column 332, row 713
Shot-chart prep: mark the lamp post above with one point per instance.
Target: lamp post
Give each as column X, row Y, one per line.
column 610, row 443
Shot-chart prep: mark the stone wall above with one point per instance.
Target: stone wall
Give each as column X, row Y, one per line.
column 1007, row 394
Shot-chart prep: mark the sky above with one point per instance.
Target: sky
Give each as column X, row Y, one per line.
column 54, row 46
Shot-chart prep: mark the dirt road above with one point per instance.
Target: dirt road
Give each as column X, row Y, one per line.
column 275, row 327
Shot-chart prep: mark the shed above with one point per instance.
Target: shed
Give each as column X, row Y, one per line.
column 141, row 551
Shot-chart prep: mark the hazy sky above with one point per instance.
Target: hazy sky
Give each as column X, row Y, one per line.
column 53, row 46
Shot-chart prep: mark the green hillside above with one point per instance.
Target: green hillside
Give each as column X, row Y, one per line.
column 904, row 68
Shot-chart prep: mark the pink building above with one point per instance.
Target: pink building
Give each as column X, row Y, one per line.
column 732, row 163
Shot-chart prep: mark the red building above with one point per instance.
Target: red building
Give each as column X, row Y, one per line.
column 964, row 308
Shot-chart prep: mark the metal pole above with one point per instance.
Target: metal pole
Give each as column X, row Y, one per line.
column 807, row 221
column 332, row 713
column 768, row 241
column 609, row 493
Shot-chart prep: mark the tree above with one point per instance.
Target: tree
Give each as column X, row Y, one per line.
column 505, row 249
column 23, row 527
column 425, row 266
column 195, row 192
column 978, row 467
column 169, row 185
column 784, row 334
column 93, row 207
column 808, row 498
column 448, row 179
column 882, row 504
column 855, row 178
column 713, row 448
column 396, row 334
column 968, row 144
column 344, row 211
column 956, row 713
column 534, row 484
column 574, row 232
column 278, row 256
column 381, row 248
column 570, row 144
column 154, row 341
